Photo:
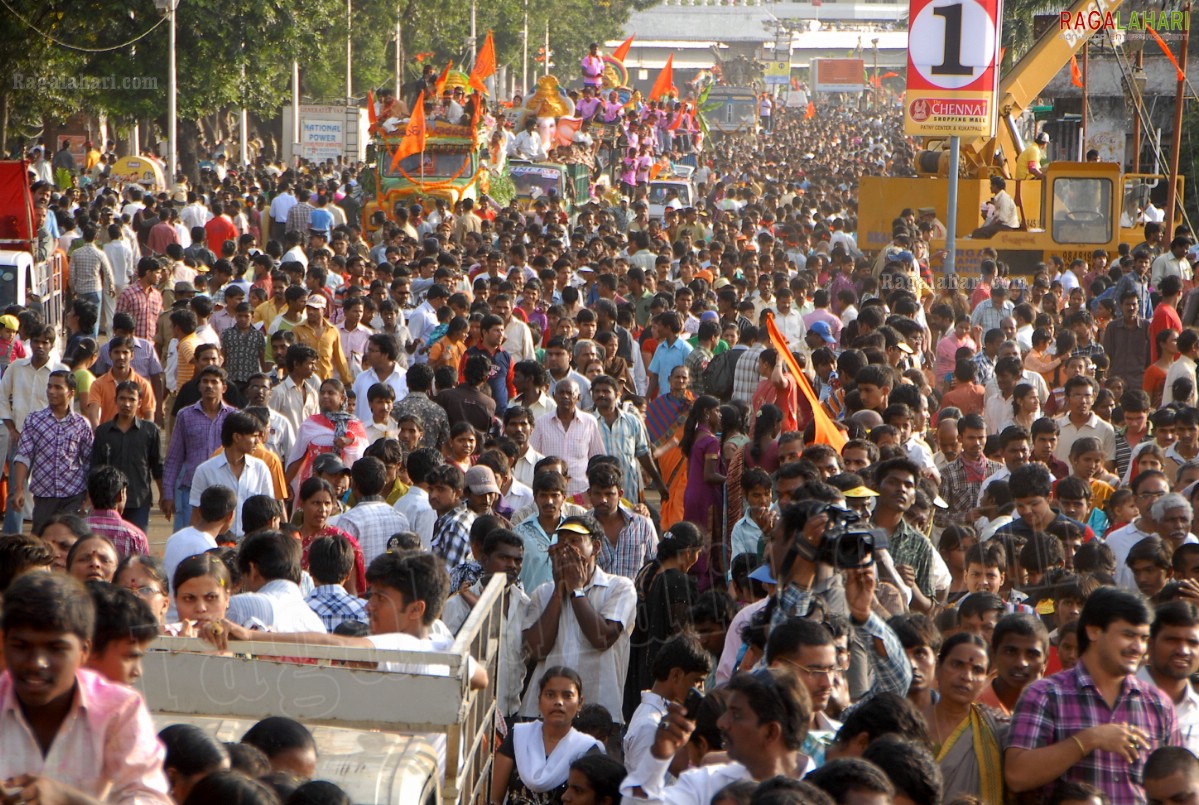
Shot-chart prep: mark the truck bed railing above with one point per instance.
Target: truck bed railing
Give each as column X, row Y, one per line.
column 183, row 676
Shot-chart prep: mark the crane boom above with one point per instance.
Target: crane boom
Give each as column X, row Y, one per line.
column 1028, row 77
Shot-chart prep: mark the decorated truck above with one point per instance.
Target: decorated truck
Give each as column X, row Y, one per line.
column 451, row 167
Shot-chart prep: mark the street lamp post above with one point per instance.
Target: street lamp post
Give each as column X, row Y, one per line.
column 524, row 69
column 168, row 8
column 878, row 82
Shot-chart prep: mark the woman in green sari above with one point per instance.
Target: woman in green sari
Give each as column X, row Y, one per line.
column 664, row 419
column 967, row 736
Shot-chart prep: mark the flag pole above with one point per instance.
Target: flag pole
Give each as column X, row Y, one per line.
column 1086, row 57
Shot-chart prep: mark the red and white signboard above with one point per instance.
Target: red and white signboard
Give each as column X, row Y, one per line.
column 838, row 75
column 953, row 67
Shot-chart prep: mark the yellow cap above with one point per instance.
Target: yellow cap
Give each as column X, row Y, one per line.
column 860, row 492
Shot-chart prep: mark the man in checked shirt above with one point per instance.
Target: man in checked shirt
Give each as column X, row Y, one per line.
column 1097, row 722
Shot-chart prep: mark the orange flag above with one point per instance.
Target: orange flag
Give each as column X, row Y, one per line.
column 1181, row 75
column 810, row 112
column 370, row 108
column 826, row 431
column 678, row 119
column 1075, row 73
column 441, row 79
column 664, row 81
column 484, row 64
column 414, row 134
column 621, row 52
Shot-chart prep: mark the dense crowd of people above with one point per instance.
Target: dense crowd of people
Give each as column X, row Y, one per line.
column 780, row 519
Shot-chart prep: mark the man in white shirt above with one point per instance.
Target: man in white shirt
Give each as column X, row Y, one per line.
column 1147, row 488
column 679, row 668
column 503, row 553
column 382, row 352
column 423, row 319
column 518, row 340
column 582, row 618
column 1001, row 212
column 270, row 565
column 234, row 467
column 527, row 144
column 1173, row 263
column 280, row 206
column 213, row 517
column 195, row 214
column 1173, row 658
column 775, row 713
column 415, row 503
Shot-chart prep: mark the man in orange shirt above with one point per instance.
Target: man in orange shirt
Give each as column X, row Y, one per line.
column 104, row 389
column 966, row 395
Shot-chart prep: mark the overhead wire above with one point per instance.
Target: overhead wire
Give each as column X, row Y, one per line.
column 80, row 48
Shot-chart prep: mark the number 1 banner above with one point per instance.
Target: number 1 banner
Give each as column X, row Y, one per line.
column 953, row 67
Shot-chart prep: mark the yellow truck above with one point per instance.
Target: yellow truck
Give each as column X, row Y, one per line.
column 421, row 738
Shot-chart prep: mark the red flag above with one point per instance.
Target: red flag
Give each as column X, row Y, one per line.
column 484, row 63
column 1181, row 75
column 414, row 134
column 664, row 81
column 826, row 431
column 1075, row 73
column 810, row 112
column 441, row 79
column 621, row 52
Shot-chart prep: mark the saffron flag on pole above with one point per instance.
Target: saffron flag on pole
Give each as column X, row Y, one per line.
column 414, row 134
column 810, row 112
column 623, row 51
column 1075, row 73
column 825, row 430
column 445, row 74
column 664, row 81
column 1160, row 43
column 484, row 64
column 370, row 108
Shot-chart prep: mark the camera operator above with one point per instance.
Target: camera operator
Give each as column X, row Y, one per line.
column 801, row 549
column 896, row 481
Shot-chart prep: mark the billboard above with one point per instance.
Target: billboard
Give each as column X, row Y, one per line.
column 839, row 75
column 953, row 67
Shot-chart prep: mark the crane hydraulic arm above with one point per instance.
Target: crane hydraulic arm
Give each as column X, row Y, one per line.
column 1028, row 77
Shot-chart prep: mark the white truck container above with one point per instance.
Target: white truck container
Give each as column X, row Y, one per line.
column 381, row 736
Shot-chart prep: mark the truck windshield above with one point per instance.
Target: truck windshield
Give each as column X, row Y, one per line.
column 1082, row 210
column 442, row 165
column 535, row 182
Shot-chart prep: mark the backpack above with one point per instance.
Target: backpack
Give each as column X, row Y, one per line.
column 718, row 374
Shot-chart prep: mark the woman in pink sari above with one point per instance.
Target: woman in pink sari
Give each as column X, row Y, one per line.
column 333, row 430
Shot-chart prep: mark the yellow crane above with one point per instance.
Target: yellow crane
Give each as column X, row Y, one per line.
column 1077, row 208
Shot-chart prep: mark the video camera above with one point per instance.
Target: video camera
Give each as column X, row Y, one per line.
column 846, row 544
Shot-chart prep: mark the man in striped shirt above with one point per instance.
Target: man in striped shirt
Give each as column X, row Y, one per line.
column 91, row 273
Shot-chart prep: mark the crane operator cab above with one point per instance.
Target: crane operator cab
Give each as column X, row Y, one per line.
column 1082, row 210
